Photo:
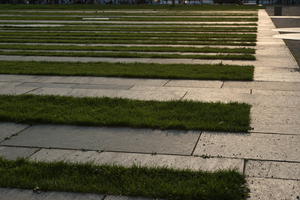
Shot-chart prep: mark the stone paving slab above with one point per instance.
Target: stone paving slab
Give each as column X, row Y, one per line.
column 282, row 120
column 83, row 80
column 20, row 194
column 250, row 146
column 145, row 160
column 129, row 94
column 109, row 139
column 274, row 60
column 9, row 129
column 264, row 85
column 275, row 189
column 193, row 83
column 272, row 169
column 276, row 92
column 72, row 85
column 11, row 88
column 13, row 153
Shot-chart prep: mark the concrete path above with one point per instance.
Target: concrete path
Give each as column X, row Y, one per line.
column 269, row 155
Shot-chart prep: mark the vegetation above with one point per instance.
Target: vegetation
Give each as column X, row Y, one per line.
column 116, row 180
column 185, row 115
column 133, row 70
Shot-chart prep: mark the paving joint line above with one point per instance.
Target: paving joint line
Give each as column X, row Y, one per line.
column 183, row 96
column 196, row 144
column 15, row 134
column 32, row 90
column 268, row 133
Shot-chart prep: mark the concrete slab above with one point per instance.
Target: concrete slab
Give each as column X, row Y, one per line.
column 289, row 36
column 13, row 153
column 288, row 30
column 130, row 94
column 13, row 88
column 83, row 80
column 266, row 189
column 276, row 92
column 250, row 146
column 191, row 83
column 271, row 169
column 72, row 85
column 110, row 139
column 130, row 159
column 283, row 120
column 20, row 194
column 9, row 129
column 274, row 60
column 263, row 85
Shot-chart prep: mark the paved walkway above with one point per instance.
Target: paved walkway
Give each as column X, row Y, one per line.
column 269, row 155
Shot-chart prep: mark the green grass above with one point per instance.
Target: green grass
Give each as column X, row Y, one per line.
column 184, row 115
column 180, row 19
column 116, row 180
column 139, row 28
column 131, row 38
column 114, row 41
column 131, row 24
column 129, row 48
column 130, row 7
column 130, row 55
column 132, row 70
column 184, row 36
column 120, row 13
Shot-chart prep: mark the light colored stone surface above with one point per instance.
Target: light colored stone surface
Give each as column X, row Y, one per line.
column 130, row 159
column 9, row 129
column 13, row 89
column 264, row 85
column 13, row 153
column 276, row 92
column 290, row 30
column 289, row 36
column 276, row 119
column 191, row 83
column 20, row 194
column 250, row 146
column 271, row 169
column 274, row 60
column 110, row 139
column 275, row 189
column 72, row 85
column 130, row 94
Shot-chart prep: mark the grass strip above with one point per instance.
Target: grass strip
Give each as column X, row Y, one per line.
column 179, row 19
column 130, row 55
column 139, row 28
column 120, row 14
column 97, row 7
column 131, row 24
column 134, row 38
column 116, row 180
column 81, row 41
column 114, row 34
column 130, row 48
column 184, row 115
column 131, row 70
